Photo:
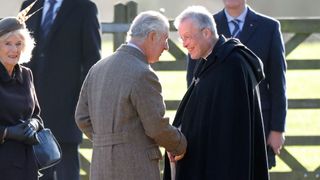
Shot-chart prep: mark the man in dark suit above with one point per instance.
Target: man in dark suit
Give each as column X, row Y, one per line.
column 262, row 35
column 68, row 43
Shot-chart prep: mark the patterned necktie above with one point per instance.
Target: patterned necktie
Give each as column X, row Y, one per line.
column 48, row 20
column 236, row 29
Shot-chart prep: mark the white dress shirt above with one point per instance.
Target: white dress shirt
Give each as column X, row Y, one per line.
column 46, row 6
column 241, row 19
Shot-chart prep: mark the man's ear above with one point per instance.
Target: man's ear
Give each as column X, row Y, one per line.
column 207, row 33
column 152, row 36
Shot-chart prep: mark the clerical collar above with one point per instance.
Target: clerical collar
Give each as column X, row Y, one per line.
column 208, row 54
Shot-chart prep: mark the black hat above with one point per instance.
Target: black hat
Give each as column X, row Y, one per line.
column 9, row 24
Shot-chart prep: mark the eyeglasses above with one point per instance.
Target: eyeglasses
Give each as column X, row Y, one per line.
column 190, row 37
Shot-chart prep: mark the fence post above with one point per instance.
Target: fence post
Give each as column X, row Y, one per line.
column 119, row 17
column 123, row 14
column 132, row 11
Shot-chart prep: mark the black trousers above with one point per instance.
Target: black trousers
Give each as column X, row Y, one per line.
column 68, row 168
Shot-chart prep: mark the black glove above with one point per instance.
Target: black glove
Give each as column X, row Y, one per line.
column 17, row 132
column 23, row 132
column 31, row 136
column 31, row 133
column 34, row 124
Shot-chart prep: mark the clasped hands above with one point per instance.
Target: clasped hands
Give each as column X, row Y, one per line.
column 25, row 132
column 174, row 158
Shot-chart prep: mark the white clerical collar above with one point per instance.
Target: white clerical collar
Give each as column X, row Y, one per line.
column 210, row 51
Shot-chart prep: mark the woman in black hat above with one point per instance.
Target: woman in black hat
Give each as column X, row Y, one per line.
column 19, row 108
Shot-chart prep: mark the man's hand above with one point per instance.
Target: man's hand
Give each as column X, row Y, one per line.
column 275, row 141
column 173, row 158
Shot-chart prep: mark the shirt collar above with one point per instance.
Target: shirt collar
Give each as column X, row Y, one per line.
column 210, row 52
column 58, row 2
column 135, row 46
column 17, row 74
column 46, row 6
column 241, row 17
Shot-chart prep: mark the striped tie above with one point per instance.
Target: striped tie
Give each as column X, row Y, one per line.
column 48, row 20
column 236, row 29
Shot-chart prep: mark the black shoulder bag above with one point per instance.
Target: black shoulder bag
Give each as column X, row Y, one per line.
column 47, row 152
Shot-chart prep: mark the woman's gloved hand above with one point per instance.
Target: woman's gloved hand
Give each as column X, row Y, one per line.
column 17, row 132
column 31, row 135
column 24, row 132
column 34, row 124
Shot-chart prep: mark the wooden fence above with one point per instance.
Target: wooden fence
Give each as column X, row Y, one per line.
column 300, row 28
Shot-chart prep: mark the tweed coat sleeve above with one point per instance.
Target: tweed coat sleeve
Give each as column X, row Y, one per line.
column 82, row 117
column 146, row 97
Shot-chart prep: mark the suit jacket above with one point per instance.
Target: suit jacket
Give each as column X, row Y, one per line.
column 121, row 109
column 262, row 35
column 61, row 61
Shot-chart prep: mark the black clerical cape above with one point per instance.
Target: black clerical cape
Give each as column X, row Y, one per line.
column 221, row 118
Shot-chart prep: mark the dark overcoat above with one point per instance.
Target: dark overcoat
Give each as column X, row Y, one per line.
column 17, row 101
column 221, row 118
column 262, row 35
column 61, row 61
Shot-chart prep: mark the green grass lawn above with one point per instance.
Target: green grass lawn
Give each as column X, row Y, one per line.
column 300, row 84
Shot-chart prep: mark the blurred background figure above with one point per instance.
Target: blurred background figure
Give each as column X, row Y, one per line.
column 68, row 43
column 19, row 108
column 262, row 35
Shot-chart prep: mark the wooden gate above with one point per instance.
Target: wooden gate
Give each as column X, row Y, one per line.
column 300, row 28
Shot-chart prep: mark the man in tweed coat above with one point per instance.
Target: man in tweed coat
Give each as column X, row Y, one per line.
column 121, row 108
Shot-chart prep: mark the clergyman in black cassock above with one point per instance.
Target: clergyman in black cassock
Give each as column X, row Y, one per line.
column 220, row 114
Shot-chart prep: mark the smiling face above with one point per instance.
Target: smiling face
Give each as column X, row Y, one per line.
column 197, row 41
column 10, row 50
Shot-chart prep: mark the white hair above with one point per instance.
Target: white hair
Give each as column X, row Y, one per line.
column 146, row 22
column 28, row 43
column 200, row 15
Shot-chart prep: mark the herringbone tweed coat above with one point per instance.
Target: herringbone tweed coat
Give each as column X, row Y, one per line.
column 121, row 110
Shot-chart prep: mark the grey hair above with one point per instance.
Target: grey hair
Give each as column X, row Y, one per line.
column 146, row 22
column 200, row 15
column 28, row 43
